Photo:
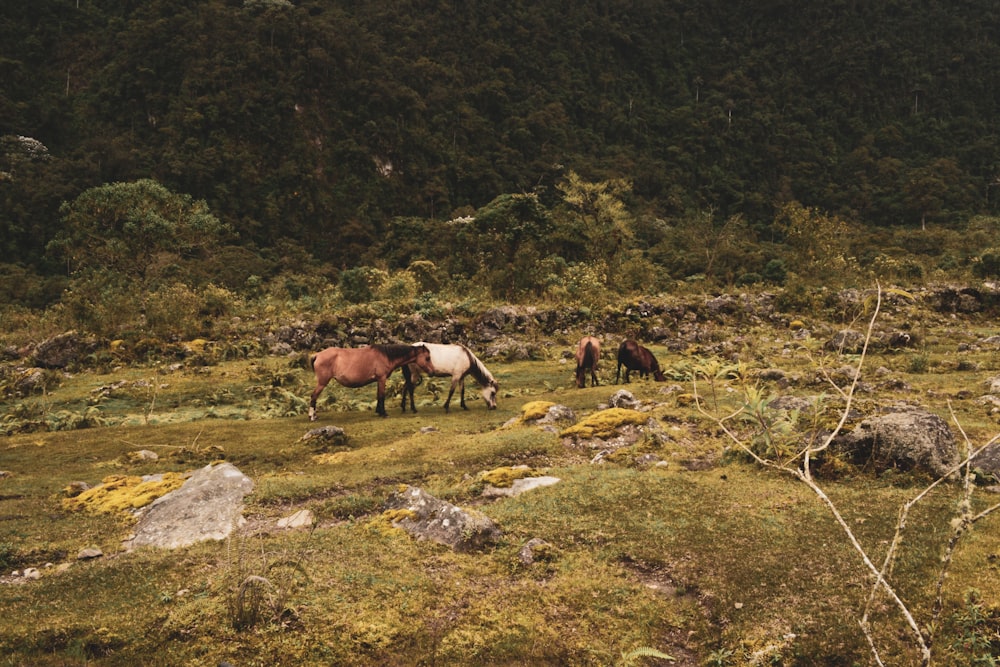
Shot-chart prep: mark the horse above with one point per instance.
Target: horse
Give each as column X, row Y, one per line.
column 588, row 353
column 456, row 361
column 359, row 366
column 635, row 357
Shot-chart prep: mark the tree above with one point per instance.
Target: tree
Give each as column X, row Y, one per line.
column 597, row 213
column 130, row 228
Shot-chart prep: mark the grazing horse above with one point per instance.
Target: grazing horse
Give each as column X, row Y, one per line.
column 588, row 353
column 456, row 361
column 635, row 357
column 359, row 366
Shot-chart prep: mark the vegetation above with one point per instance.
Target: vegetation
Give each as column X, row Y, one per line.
column 524, row 148
column 712, row 556
column 194, row 197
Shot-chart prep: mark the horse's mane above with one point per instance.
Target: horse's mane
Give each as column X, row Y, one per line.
column 394, row 351
column 477, row 370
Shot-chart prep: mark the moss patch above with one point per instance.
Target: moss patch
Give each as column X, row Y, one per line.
column 504, row 477
column 535, row 410
column 604, row 423
column 123, row 493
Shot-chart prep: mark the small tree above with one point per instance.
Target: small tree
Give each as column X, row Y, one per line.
column 125, row 227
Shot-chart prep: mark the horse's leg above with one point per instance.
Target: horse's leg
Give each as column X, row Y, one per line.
column 619, row 371
column 312, row 400
column 451, row 392
column 461, row 387
column 380, row 402
column 593, row 376
column 408, row 386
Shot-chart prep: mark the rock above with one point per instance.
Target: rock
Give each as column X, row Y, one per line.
column 300, row 519
column 62, row 350
column 325, row 436
column 73, row 489
column 207, row 507
column 427, row 518
column 31, row 573
column 988, row 460
column 846, row 341
column 907, row 438
column 519, row 486
column 534, row 550
column 89, row 553
column 557, row 414
column 623, row 399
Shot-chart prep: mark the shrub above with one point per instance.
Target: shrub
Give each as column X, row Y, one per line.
column 359, row 284
column 987, row 265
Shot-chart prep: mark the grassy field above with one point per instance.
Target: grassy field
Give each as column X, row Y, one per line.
column 706, row 557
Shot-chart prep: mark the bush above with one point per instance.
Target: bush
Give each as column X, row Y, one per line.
column 359, row 284
column 987, row 265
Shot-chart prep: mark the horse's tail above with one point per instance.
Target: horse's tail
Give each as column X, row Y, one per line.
column 312, row 361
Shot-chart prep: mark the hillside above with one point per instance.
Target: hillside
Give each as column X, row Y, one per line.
column 317, row 123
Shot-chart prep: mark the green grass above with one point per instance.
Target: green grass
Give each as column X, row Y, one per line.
column 693, row 560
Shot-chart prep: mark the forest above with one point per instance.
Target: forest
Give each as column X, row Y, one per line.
column 522, row 147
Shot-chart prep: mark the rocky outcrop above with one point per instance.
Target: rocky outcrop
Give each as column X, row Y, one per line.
column 208, row 506
column 427, row 518
column 907, row 438
column 63, row 350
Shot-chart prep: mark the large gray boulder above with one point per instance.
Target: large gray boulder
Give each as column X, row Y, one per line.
column 907, row 438
column 65, row 349
column 427, row 518
column 207, row 507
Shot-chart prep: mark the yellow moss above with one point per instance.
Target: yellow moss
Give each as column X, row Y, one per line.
column 116, row 345
column 535, row 410
column 326, row 459
column 122, row 493
column 385, row 523
column 196, row 345
column 795, row 325
column 604, row 423
column 504, row 477
column 685, row 400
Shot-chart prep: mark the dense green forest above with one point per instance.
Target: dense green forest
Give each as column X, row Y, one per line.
column 653, row 140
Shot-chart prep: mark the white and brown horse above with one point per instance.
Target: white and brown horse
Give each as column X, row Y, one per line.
column 588, row 353
column 456, row 361
column 360, row 366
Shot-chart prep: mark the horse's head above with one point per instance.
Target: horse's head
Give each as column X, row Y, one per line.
column 423, row 359
column 490, row 394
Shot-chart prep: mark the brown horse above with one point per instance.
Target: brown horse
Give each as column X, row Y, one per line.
column 588, row 353
column 635, row 357
column 357, row 367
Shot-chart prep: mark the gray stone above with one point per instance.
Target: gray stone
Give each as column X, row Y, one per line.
column 207, row 507
column 519, row 486
column 325, row 436
column 623, row 399
column 62, row 350
column 535, row 549
column 907, row 438
column 442, row 522
column 89, row 553
column 300, row 519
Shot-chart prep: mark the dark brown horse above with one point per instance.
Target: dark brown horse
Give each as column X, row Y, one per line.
column 357, row 367
column 635, row 357
column 588, row 353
